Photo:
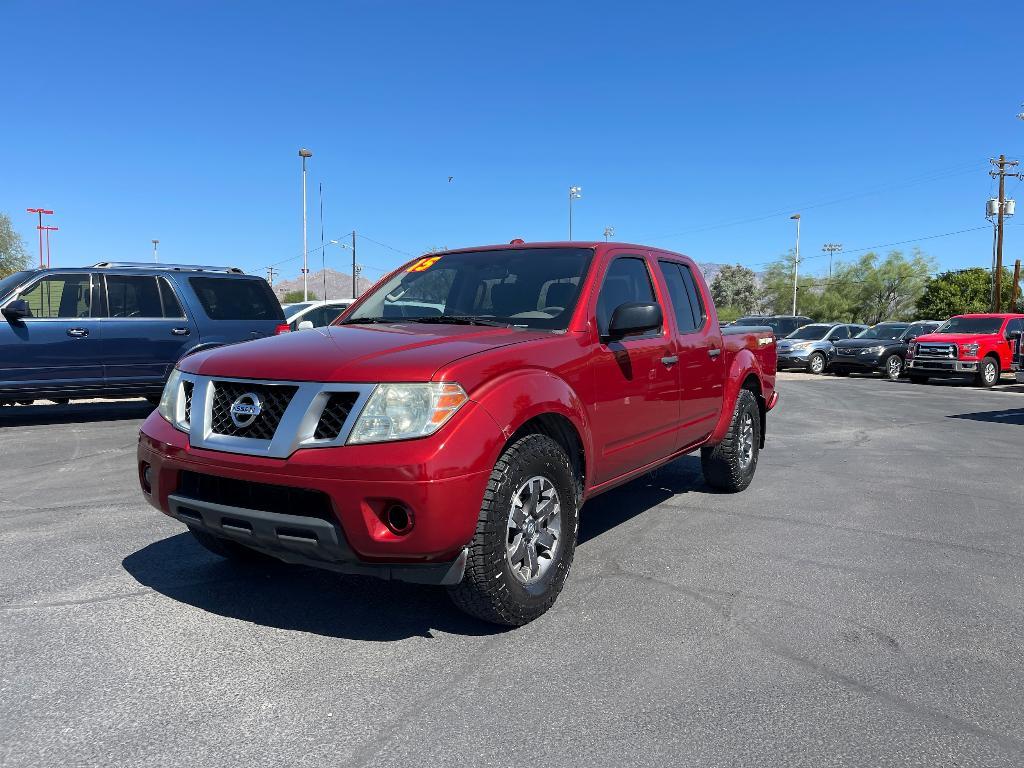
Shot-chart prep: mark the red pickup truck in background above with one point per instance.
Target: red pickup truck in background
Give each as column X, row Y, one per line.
column 981, row 346
column 448, row 428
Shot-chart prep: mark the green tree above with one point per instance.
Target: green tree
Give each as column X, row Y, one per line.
column 294, row 297
column 735, row 288
column 13, row 256
column 890, row 288
column 961, row 291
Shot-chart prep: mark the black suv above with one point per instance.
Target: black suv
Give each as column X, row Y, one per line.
column 880, row 349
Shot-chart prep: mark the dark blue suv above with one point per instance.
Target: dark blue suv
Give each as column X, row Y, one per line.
column 117, row 329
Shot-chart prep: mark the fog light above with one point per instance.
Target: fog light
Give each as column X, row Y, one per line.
column 146, row 477
column 398, row 519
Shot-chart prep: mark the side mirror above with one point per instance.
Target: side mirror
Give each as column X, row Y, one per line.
column 305, row 325
column 16, row 310
column 634, row 317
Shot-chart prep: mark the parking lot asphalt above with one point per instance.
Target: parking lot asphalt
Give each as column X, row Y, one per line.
column 861, row 604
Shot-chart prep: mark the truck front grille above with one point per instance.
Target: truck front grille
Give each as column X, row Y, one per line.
column 332, row 421
column 264, row 497
column 187, row 387
column 272, row 400
column 936, row 351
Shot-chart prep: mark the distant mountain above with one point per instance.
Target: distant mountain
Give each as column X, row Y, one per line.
column 339, row 285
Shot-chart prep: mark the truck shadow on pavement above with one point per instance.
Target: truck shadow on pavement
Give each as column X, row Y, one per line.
column 1007, row 416
column 73, row 413
column 353, row 607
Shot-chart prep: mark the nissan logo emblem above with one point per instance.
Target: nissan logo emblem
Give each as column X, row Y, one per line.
column 245, row 410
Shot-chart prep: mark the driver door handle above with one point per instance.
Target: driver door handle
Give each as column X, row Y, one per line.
column 78, row 333
column 180, row 331
column 670, row 360
column 714, row 352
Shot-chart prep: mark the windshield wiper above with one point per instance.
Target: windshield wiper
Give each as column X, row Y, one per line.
column 455, row 320
column 366, row 321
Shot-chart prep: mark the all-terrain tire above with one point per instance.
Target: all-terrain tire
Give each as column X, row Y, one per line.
column 988, row 373
column 231, row 550
column 490, row 590
column 730, row 465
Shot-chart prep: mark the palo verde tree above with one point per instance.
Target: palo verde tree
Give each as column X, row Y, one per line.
column 962, row 291
column 296, row 297
column 13, row 256
column 734, row 290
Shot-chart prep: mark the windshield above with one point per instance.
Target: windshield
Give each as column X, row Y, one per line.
column 293, row 309
column 891, row 331
column 971, row 325
column 918, row 329
column 810, row 332
column 522, row 287
column 9, row 283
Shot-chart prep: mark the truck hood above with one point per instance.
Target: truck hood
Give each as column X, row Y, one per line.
column 354, row 353
column 956, row 338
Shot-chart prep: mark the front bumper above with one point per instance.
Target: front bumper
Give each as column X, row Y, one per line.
column 269, row 511
column 857, row 362
column 793, row 359
column 938, row 368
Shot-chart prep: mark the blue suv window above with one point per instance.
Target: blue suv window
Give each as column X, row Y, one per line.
column 133, row 296
column 59, row 296
column 237, row 299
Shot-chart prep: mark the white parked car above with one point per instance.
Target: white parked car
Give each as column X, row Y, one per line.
column 314, row 314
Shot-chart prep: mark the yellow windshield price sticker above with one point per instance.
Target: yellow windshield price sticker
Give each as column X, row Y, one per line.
column 424, row 264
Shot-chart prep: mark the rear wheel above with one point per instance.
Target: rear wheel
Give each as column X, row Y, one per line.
column 988, row 373
column 893, row 367
column 525, row 537
column 730, row 465
column 816, row 364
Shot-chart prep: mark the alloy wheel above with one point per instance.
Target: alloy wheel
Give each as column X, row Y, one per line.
column 746, row 440
column 534, row 529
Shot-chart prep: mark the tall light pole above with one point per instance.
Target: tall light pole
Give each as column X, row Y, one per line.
column 796, row 261
column 48, row 230
column 830, row 249
column 41, row 212
column 304, row 153
column 156, row 254
column 575, row 193
column 609, row 232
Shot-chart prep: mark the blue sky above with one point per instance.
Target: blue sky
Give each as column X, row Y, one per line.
column 182, row 121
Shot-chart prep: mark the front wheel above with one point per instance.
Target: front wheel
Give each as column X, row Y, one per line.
column 988, row 373
column 729, row 466
column 525, row 536
column 816, row 364
column 894, row 367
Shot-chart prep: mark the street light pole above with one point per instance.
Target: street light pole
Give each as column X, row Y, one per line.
column 796, row 261
column 156, row 255
column 304, row 153
column 575, row 193
column 831, row 249
column 41, row 212
column 48, row 230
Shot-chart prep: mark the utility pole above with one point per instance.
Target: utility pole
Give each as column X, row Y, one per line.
column 1001, row 165
column 271, row 273
column 41, row 212
column 355, row 285
column 156, row 255
column 831, row 248
column 304, row 154
column 796, row 261
column 48, row 230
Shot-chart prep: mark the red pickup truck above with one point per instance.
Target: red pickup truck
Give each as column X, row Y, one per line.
column 981, row 347
column 450, row 425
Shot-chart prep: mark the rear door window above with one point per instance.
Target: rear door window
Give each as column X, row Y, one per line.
column 133, row 296
column 237, row 299
column 627, row 281
column 686, row 299
column 172, row 307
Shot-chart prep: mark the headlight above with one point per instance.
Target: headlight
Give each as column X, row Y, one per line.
column 872, row 350
column 969, row 350
column 800, row 345
column 404, row 411
column 169, row 402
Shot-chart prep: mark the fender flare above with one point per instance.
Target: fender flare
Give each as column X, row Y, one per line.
column 744, row 366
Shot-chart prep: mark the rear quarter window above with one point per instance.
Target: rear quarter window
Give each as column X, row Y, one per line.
column 236, row 299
